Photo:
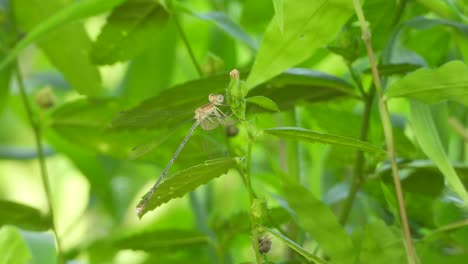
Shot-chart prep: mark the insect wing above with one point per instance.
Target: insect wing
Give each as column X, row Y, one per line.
column 209, row 123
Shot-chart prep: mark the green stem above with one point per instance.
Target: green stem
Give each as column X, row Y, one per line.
column 358, row 173
column 187, row 45
column 387, row 126
column 356, row 79
column 42, row 164
column 254, row 233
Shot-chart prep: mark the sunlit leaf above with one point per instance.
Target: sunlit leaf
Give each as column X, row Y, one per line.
column 429, row 141
column 67, row 43
column 449, row 82
column 264, row 102
column 320, row 223
column 294, row 246
column 302, row 134
column 14, row 248
column 71, row 13
column 93, row 168
column 441, row 8
column 178, row 184
column 131, row 27
column 307, row 27
column 279, row 13
column 23, row 216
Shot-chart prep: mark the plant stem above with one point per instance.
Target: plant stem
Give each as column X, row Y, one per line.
column 40, row 153
column 458, row 127
column 387, row 127
column 187, row 45
column 358, row 173
column 254, row 233
column 356, row 79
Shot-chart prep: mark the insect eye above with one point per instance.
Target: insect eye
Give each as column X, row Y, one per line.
column 220, row 98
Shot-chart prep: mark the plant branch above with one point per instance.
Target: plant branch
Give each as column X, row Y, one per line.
column 187, row 45
column 254, row 233
column 387, row 127
column 356, row 79
column 358, row 173
column 34, row 122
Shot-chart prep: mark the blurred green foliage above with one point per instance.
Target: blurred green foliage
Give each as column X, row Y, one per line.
column 106, row 76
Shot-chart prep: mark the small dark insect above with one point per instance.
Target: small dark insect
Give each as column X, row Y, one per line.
column 264, row 244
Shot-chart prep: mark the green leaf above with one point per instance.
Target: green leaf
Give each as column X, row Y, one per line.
column 449, row 82
column 307, row 27
column 381, row 244
column 131, row 28
column 291, row 244
column 348, row 42
column 158, row 60
column 429, row 141
column 302, row 134
column 162, row 240
column 319, row 221
column 222, row 21
column 67, row 43
column 256, row 15
column 395, row 68
column 85, row 123
column 302, row 85
column 177, row 104
column 173, row 106
column 264, row 102
column 23, row 216
column 8, row 35
column 71, row 13
column 178, row 184
column 14, row 248
column 441, row 8
column 279, row 13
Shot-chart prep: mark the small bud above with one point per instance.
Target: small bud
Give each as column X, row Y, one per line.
column 234, row 74
column 264, row 244
column 45, row 98
column 231, row 131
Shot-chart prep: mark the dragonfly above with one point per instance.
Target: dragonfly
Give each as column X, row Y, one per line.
column 208, row 117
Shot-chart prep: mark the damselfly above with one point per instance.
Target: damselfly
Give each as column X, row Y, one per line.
column 208, row 116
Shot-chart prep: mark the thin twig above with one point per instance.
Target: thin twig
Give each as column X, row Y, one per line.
column 458, row 127
column 358, row 173
column 34, row 122
column 187, row 45
column 387, row 126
